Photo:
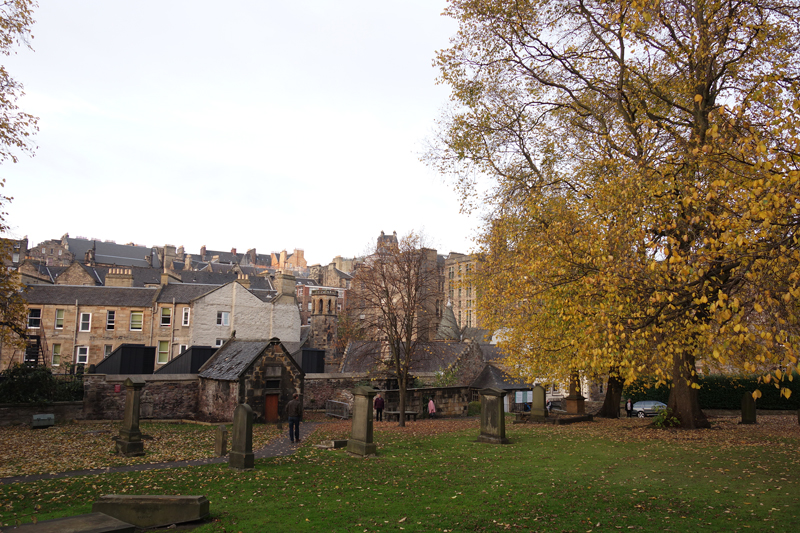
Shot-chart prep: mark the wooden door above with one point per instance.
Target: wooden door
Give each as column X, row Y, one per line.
column 271, row 408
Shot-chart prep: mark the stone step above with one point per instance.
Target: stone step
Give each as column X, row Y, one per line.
column 153, row 510
column 85, row 523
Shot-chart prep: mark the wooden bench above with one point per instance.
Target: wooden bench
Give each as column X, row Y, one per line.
column 396, row 415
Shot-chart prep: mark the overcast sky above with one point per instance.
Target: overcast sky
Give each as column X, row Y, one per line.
column 274, row 125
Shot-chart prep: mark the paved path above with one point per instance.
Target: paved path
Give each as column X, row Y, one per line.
column 279, row 447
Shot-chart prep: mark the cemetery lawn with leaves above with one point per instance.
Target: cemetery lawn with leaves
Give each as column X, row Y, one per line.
column 606, row 475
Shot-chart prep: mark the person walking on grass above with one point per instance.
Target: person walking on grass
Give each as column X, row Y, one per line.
column 629, row 408
column 379, row 403
column 294, row 412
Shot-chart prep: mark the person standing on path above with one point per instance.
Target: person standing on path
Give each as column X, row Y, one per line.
column 379, row 403
column 294, row 412
column 431, row 408
column 629, row 408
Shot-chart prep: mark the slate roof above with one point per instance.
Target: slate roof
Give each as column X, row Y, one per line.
column 88, row 295
column 141, row 275
column 264, row 295
column 493, row 377
column 113, row 254
column 183, row 292
column 363, row 356
column 492, row 353
column 210, row 278
column 233, row 359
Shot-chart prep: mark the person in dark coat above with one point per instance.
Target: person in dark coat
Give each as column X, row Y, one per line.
column 629, row 408
column 379, row 403
column 294, row 412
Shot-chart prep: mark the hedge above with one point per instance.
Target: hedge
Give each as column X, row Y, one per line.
column 723, row 392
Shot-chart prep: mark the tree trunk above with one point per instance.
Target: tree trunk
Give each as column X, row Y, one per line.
column 683, row 400
column 610, row 407
column 401, row 385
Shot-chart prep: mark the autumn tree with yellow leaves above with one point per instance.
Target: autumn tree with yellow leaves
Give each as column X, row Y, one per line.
column 643, row 158
column 16, row 129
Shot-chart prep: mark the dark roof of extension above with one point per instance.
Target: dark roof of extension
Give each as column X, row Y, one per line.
column 184, row 292
column 88, row 295
column 363, row 356
column 113, row 254
column 493, row 377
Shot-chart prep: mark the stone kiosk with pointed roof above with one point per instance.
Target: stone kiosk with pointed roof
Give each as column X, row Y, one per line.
column 261, row 374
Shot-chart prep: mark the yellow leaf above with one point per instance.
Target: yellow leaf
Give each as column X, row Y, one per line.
column 756, row 394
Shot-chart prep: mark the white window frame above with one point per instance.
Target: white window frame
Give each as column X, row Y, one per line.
column 56, row 353
column 223, row 318
column 78, row 355
column 182, row 348
column 219, row 342
column 59, row 321
column 37, row 319
column 141, row 326
column 107, row 349
column 186, row 315
column 168, row 316
column 310, row 306
column 163, row 350
column 111, row 320
column 87, row 323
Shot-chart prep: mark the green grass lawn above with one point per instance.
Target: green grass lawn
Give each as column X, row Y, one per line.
column 601, row 476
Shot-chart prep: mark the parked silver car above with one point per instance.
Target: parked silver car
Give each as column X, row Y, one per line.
column 648, row 408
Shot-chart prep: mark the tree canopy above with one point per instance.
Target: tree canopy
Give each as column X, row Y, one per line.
column 644, row 162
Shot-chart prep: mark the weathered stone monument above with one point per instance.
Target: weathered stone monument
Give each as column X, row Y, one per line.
column 130, row 442
column 360, row 442
column 146, row 511
column 221, row 441
column 576, row 403
column 539, row 403
column 748, row 409
column 493, row 419
column 241, row 456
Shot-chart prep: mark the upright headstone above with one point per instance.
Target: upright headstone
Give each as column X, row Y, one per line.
column 130, row 442
column 360, row 442
column 748, row 409
column 221, row 441
column 241, row 456
column 493, row 418
column 576, row 403
column 539, row 403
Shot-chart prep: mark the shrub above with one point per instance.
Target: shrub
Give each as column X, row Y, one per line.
column 664, row 419
column 24, row 384
column 474, row 408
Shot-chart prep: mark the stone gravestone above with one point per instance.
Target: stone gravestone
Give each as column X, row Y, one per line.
column 748, row 409
column 576, row 403
column 360, row 442
column 539, row 403
column 129, row 442
column 493, row 418
column 241, row 456
column 221, row 441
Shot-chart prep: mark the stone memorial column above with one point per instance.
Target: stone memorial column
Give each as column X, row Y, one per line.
column 241, row 456
column 748, row 409
column 493, row 417
column 130, row 442
column 576, row 403
column 221, row 441
column 539, row 403
column 360, row 442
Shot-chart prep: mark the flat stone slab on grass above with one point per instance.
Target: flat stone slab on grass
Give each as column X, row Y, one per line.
column 153, row 510
column 84, row 523
column 327, row 444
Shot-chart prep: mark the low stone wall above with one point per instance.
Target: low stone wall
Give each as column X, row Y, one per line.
column 163, row 397
column 320, row 388
column 449, row 401
column 22, row 413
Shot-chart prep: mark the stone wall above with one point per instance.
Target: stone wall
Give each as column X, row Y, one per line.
column 216, row 400
column 163, row 396
column 21, row 413
column 449, row 401
column 320, row 388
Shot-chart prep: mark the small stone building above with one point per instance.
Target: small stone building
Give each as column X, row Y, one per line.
column 262, row 374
